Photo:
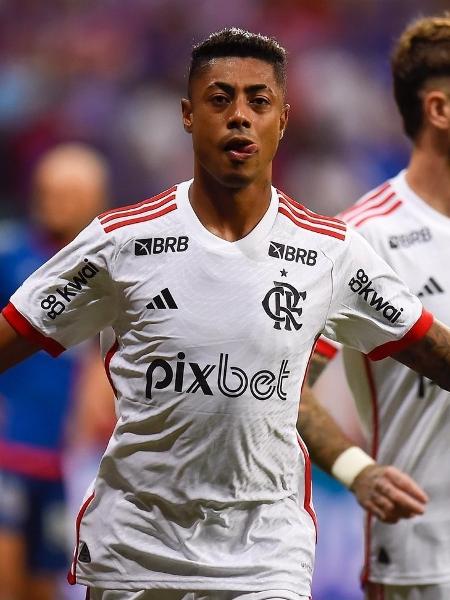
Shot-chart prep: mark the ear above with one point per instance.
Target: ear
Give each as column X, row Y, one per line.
column 186, row 109
column 436, row 106
column 284, row 119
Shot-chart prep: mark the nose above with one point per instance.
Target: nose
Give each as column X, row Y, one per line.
column 238, row 117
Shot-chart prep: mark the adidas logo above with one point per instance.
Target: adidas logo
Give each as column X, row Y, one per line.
column 430, row 288
column 162, row 300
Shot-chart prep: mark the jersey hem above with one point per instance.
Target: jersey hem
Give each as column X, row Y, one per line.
column 417, row 332
column 406, row 580
column 180, row 584
column 24, row 328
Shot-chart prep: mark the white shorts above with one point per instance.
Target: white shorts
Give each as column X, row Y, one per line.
column 379, row 591
column 99, row 594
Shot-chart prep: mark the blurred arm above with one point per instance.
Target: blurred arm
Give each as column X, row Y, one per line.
column 430, row 356
column 13, row 347
column 383, row 490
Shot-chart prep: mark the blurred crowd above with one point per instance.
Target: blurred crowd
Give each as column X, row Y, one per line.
column 110, row 74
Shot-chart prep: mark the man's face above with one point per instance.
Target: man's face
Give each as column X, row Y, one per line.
column 236, row 116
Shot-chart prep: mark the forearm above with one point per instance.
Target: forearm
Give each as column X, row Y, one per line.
column 13, row 347
column 322, row 435
column 430, row 356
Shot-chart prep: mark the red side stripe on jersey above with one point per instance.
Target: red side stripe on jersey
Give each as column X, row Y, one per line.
column 365, row 574
column 138, row 204
column 310, row 213
column 417, row 331
column 383, row 213
column 287, row 214
column 24, row 328
column 108, row 358
column 147, row 207
column 365, row 200
column 149, row 217
column 326, row 349
column 308, row 484
column 72, row 575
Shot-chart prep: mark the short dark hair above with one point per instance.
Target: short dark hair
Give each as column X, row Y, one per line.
column 233, row 41
column 421, row 53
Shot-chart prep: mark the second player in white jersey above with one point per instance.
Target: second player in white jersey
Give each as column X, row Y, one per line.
column 204, row 482
column 405, row 416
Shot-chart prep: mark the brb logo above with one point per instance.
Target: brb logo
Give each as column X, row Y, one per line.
column 281, row 304
column 231, row 381
column 292, row 254
column 361, row 285
column 158, row 245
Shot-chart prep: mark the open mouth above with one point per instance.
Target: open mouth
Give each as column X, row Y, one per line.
column 240, row 148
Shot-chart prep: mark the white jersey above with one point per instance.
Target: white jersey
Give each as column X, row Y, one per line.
column 406, row 417
column 203, row 484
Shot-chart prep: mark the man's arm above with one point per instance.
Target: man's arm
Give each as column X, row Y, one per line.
column 13, row 347
column 430, row 356
column 384, row 490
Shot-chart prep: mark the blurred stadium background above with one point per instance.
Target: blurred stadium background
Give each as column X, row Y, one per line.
column 110, row 73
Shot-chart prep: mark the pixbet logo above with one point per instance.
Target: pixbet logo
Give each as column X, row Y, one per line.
column 159, row 245
column 231, row 381
column 361, row 285
column 55, row 304
column 293, row 254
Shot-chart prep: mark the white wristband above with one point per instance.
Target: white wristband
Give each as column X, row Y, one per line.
column 349, row 465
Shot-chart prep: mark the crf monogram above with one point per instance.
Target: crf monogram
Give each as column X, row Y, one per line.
column 280, row 303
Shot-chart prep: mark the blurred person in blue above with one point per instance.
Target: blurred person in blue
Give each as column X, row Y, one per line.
column 70, row 186
column 406, row 417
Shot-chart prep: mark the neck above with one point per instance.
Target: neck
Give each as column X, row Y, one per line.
column 229, row 213
column 428, row 175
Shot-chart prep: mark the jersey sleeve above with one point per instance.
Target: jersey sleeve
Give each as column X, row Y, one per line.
column 371, row 309
column 71, row 297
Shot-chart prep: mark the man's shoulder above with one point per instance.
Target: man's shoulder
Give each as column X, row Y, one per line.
column 302, row 220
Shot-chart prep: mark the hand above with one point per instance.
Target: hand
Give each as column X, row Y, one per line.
column 389, row 493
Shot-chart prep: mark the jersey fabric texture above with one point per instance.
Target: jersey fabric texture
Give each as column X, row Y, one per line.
column 204, row 484
column 35, row 394
column 406, row 417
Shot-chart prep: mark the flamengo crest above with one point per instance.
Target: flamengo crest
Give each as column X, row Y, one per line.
column 281, row 304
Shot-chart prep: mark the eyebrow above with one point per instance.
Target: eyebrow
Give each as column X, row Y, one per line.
column 229, row 89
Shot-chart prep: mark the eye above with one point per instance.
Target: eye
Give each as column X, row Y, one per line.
column 261, row 101
column 219, row 99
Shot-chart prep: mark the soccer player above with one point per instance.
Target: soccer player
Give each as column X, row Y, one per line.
column 406, row 416
column 216, row 290
column 69, row 190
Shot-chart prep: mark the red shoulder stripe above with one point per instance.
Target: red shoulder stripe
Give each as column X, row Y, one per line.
column 378, row 213
column 136, row 211
column 310, row 213
column 138, row 204
column 286, row 213
column 301, row 215
column 367, row 210
column 149, row 217
column 366, row 199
